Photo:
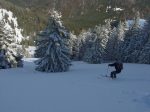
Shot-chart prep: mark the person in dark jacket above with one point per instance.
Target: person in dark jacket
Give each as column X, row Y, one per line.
column 118, row 66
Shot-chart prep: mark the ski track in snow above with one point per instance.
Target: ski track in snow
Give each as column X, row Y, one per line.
column 79, row 90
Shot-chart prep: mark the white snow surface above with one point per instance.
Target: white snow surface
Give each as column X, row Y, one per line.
column 11, row 20
column 142, row 22
column 118, row 9
column 79, row 90
column 114, row 9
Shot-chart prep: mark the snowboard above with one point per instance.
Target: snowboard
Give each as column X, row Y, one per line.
column 103, row 76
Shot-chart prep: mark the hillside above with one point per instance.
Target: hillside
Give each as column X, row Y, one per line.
column 77, row 14
column 79, row 90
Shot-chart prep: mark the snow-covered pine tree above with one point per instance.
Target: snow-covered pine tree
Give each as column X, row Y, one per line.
column 93, row 53
column 103, row 32
column 111, row 46
column 82, row 42
column 39, row 52
column 54, row 43
column 96, row 44
column 134, row 40
column 144, row 54
column 121, row 30
column 74, row 47
column 8, row 56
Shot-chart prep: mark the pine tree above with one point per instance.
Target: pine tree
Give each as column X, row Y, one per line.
column 96, row 44
column 144, row 53
column 112, row 45
column 121, row 30
column 103, row 33
column 134, row 40
column 8, row 56
column 93, row 53
column 82, row 43
column 54, row 44
column 74, row 46
column 39, row 52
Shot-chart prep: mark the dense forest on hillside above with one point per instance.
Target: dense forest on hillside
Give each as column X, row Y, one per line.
column 77, row 14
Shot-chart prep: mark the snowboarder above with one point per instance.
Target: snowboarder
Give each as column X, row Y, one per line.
column 118, row 66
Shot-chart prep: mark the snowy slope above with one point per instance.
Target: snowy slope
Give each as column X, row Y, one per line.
column 11, row 23
column 79, row 90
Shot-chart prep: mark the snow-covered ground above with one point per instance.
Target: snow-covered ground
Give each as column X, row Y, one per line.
column 79, row 90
